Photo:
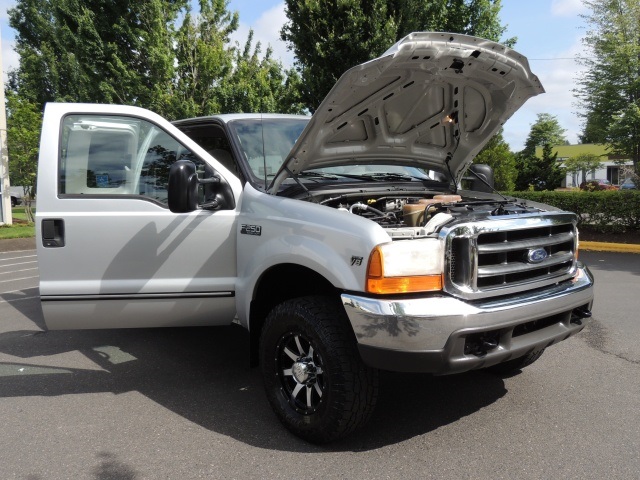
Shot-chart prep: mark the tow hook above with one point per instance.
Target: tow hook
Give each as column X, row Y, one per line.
column 580, row 313
column 479, row 345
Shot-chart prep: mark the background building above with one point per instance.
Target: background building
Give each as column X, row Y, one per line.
column 612, row 168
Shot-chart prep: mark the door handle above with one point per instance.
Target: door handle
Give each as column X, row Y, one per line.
column 53, row 232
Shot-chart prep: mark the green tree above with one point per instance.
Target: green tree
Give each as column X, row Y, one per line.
column 479, row 18
column 260, row 84
column 498, row 156
column 204, row 61
column 583, row 163
column 545, row 131
column 24, row 122
column 328, row 38
column 103, row 51
column 540, row 173
column 550, row 172
column 609, row 92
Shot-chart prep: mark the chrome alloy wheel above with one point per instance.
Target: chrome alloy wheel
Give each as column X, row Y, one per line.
column 300, row 371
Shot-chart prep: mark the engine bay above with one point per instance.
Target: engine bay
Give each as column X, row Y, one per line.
column 423, row 214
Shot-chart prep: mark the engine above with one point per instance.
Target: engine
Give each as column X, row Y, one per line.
column 400, row 211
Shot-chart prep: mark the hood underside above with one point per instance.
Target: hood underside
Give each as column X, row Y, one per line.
column 432, row 101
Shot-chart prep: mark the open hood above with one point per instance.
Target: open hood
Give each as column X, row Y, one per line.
column 432, row 99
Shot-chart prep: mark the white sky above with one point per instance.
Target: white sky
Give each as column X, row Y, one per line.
column 548, row 32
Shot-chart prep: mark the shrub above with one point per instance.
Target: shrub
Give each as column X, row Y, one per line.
column 607, row 211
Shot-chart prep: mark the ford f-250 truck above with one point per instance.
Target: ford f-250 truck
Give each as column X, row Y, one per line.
column 343, row 242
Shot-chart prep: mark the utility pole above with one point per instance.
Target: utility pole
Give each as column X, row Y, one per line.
column 5, row 200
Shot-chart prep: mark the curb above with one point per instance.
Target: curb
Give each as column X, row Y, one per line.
column 610, row 247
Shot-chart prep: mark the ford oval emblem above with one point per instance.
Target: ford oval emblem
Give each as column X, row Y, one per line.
column 536, row 255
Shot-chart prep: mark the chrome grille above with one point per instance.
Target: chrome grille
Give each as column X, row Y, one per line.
column 501, row 256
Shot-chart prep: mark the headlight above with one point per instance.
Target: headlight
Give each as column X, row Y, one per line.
column 406, row 266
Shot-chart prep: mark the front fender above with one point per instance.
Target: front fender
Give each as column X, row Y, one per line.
column 275, row 231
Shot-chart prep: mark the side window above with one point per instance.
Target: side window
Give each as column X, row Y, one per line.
column 213, row 139
column 111, row 155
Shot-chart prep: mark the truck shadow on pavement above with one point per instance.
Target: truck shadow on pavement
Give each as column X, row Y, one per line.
column 202, row 374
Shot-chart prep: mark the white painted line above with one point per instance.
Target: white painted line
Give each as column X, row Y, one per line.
column 18, row 258
column 20, row 290
column 16, row 279
column 19, row 299
column 14, row 264
column 16, row 271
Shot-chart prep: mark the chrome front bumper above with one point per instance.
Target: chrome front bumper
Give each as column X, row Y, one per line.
column 432, row 334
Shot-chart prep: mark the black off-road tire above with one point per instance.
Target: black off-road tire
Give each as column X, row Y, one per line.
column 314, row 377
column 517, row 364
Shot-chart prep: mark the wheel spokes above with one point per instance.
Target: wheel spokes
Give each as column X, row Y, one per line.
column 300, row 349
column 296, row 391
column 300, row 370
column 290, row 354
column 309, row 390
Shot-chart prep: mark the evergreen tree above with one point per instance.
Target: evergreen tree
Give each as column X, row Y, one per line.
column 545, row 131
column 260, row 84
column 328, row 38
column 103, row 51
column 138, row 53
column 203, row 58
column 541, row 173
column 497, row 155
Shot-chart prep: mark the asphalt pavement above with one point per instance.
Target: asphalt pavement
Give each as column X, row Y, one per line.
column 184, row 404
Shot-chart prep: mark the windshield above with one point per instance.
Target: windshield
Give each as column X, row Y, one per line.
column 266, row 142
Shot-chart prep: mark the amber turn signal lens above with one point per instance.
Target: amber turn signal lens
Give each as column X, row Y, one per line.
column 386, row 285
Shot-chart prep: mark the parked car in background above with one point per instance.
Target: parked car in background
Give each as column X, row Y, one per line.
column 16, row 196
column 597, row 184
column 628, row 184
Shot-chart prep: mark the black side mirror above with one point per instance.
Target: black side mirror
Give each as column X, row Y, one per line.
column 218, row 194
column 481, row 178
column 183, row 187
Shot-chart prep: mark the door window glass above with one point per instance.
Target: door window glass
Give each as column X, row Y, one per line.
column 111, row 155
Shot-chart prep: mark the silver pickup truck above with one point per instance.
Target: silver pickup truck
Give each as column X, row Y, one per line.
column 343, row 242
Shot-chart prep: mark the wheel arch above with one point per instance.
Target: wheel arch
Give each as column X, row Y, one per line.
column 276, row 285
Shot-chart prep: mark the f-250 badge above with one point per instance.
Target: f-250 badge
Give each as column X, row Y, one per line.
column 251, row 230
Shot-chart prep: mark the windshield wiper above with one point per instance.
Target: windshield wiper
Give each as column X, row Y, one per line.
column 310, row 173
column 376, row 176
column 393, row 176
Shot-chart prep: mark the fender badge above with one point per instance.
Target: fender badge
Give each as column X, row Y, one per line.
column 251, row 230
